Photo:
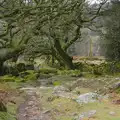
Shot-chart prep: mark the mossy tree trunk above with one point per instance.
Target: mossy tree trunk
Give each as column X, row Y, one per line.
column 1, row 67
column 64, row 57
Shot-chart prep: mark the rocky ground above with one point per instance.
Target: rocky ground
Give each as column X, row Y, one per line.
column 68, row 98
column 31, row 109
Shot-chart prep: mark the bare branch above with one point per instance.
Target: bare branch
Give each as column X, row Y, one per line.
column 97, row 13
column 77, row 36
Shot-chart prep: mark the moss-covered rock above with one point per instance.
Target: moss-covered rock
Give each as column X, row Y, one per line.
column 109, row 67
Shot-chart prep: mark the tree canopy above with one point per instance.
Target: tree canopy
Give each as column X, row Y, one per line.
column 47, row 27
column 111, row 38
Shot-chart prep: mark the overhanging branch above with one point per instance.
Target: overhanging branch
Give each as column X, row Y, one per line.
column 77, row 36
column 97, row 13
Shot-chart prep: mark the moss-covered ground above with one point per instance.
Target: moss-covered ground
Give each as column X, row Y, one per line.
column 62, row 108
column 68, row 109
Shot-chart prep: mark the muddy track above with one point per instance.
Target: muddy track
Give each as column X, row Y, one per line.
column 31, row 109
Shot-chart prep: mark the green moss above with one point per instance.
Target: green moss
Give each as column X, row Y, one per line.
column 65, row 106
column 92, row 76
column 29, row 75
column 110, row 67
column 57, row 83
column 23, row 77
column 48, row 71
column 74, row 73
column 11, row 108
column 117, row 90
column 10, row 78
column 97, row 70
column 6, row 116
column 65, row 118
column 91, row 58
column 3, row 116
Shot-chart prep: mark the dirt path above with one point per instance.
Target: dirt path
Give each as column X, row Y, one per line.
column 31, row 109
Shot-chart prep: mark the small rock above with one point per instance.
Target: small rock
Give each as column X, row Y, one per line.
column 67, row 95
column 45, row 88
column 28, row 88
column 116, row 85
column 112, row 113
column 44, row 82
column 47, row 111
column 60, row 88
column 51, row 98
column 77, row 91
column 30, row 103
column 87, row 98
column 116, row 101
column 88, row 114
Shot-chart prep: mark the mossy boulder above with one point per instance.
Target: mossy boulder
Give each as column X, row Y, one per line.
column 109, row 67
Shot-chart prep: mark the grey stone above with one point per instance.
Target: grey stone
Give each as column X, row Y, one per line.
column 116, row 85
column 112, row 113
column 87, row 98
column 60, row 89
column 88, row 114
column 44, row 82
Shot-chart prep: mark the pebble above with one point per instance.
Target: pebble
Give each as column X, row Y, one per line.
column 87, row 98
column 112, row 113
column 88, row 114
